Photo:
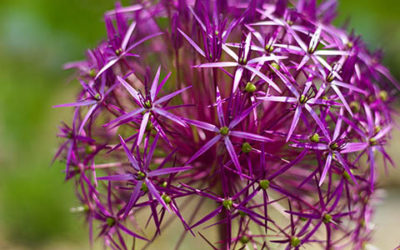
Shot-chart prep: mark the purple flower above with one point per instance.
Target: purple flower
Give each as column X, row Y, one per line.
column 274, row 145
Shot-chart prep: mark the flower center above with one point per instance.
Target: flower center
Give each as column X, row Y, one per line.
column 373, row 142
column 334, row 146
column 264, row 184
column 140, row 175
column 110, row 221
column 327, row 218
column 224, row 131
column 227, row 204
column 118, row 52
column 147, row 104
column 295, row 242
column 303, row 99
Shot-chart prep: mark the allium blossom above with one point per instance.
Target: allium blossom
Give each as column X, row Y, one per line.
column 260, row 116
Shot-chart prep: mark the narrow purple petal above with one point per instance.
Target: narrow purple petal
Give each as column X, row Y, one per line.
column 204, row 148
column 232, row 153
column 128, row 153
column 166, row 171
column 250, row 136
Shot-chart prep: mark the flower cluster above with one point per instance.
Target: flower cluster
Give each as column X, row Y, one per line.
column 261, row 117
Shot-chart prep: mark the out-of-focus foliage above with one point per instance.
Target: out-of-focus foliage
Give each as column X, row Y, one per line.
column 36, row 38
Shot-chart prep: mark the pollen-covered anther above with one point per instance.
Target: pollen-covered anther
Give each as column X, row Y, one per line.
column 224, row 131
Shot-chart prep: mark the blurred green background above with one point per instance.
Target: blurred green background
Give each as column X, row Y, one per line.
column 36, row 38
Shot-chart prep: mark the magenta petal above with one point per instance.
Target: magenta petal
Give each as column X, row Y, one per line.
column 208, row 217
column 131, row 90
column 264, row 77
column 76, row 104
column 232, row 153
column 194, row 45
column 125, row 116
column 154, row 192
column 250, row 136
column 204, row 148
column 203, row 125
column 134, row 197
column 154, row 85
column 165, row 171
column 170, row 116
column 354, row 147
column 128, row 153
column 326, row 168
column 121, row 177
column 170, row 96
column 296, row 119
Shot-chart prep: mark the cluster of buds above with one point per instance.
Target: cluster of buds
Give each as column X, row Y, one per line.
column 261, row 117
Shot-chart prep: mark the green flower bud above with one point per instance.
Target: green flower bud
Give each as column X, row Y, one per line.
column 250, row 87
column 315, row 138
column 246, row 148
column 295, row 242
column 264, row 184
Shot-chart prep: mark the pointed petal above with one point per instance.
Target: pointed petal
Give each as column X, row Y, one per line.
column 264, row 77
column 232, row 153
column 250, row 136
column 237, row 78
column 166, row 171
column 204, row 148
column 170, row 96
column 128, row 153
column 155, row 84
column 326, row 168
column 217, row 65
column 194, row 45
column 170, row 116
column 202, row 125
column 134, row 197
column 154, row 192
column 142, row 128
column 125, row 116
column 134, row 93
column 128, row 35
column 107, row 66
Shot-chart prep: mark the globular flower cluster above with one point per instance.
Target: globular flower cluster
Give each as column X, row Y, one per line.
column 258, row 120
